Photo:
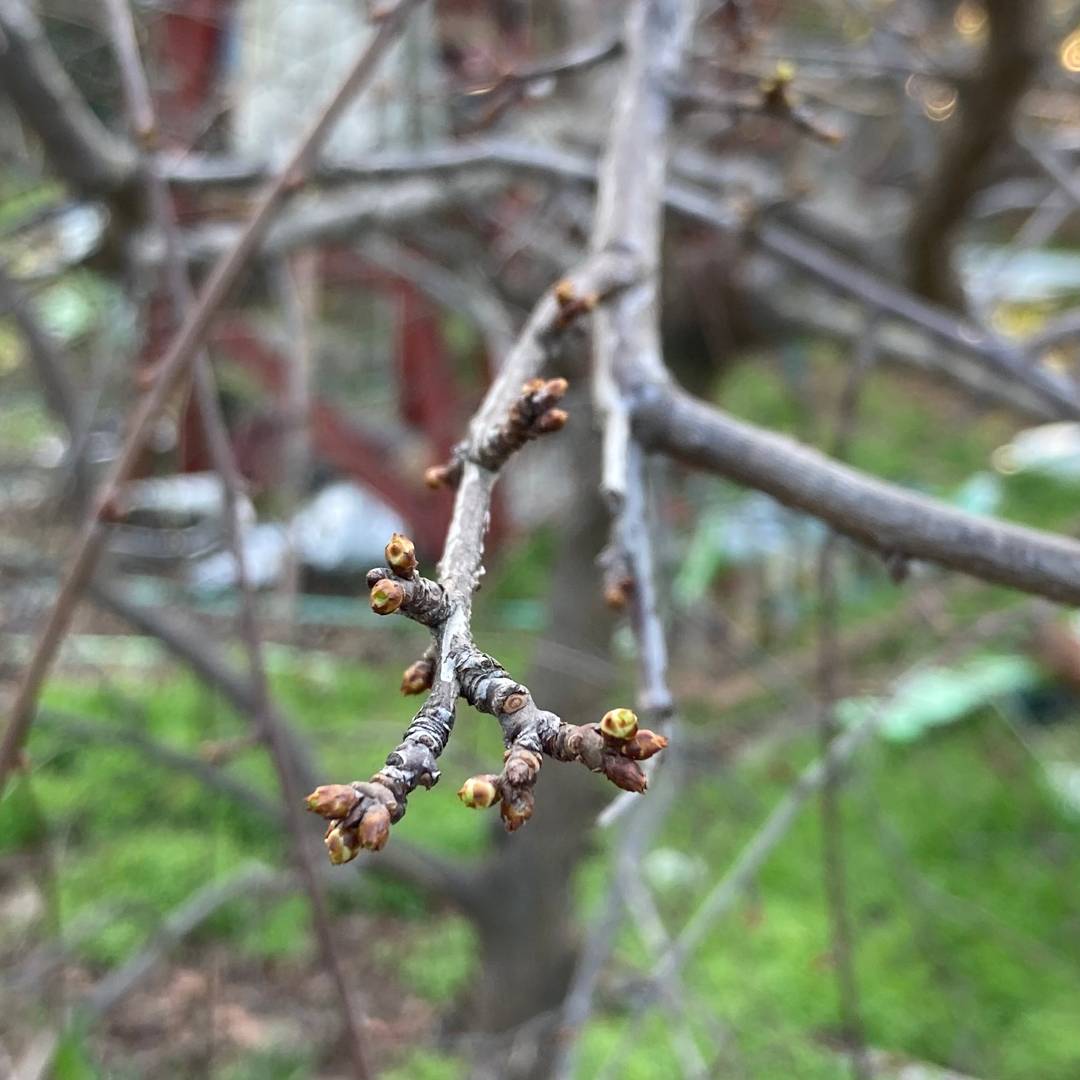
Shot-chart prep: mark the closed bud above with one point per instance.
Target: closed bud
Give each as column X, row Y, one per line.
column 437, row 476
column 552, row 420
column 521, row 767
column 556, row 388
column 625, row 774
column 619, row 724
column 374, row 828
column 386, row 597
column 342, row 845
column 332, row 800
column 643, row 745
column 517, row 810
column 417, row 677
column 479, row 792
column 564, row 292
column 401, row 555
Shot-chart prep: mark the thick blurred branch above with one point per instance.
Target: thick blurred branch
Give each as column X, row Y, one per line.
column 79, row 147
column 886, row 518
column 986, row 107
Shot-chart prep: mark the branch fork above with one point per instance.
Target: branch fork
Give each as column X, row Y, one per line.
column 360, row 814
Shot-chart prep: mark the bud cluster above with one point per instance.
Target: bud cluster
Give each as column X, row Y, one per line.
column 399, row 586
column 613, row 747
column 535, row 413
column 359, row 815
column 512, row 788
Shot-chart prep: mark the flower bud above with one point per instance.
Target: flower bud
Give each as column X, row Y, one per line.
column 552, row 420
column 401, row 555
column 438, row 476
column 342, row 845
column 374, row 828
column 619, row 724
column 332, row 800
column 521, row 767
column 517, row 810
column 418, row 677
column 625, row 774
column 479, row 792
column 564, row 292
column 556, row 388
column 643, row 745
column 386, row 597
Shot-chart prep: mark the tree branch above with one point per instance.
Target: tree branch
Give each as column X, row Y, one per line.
column 180, row 355
column 79, row 147
column 987, row 104
column 883, row 516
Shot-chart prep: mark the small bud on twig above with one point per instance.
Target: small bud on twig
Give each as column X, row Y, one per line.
column 401, row 555
column 439, row 476
column 643, row 745
column 571, row 305
column 625, row 774
column 418, row 677
column 374, row 828
column 333, row 800
column 550, row 421
column 619, row 724
column 479, row 792
column 386, row 597
column 342, row 845
column 516, row 810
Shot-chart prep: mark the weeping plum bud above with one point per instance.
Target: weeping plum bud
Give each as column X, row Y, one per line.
column 643, row 745
column 438, row 476
column 521, row 767
column 619, row 724
column 516, row 810
column 625, row 774
column 401, row 555
column 342, row 845
column 479, row 792
column 332, row 800
column 386, row 597
column 418, row 677
column 552, row 420
column 374, row 828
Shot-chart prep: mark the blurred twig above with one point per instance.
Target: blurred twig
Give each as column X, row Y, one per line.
column 177, row 359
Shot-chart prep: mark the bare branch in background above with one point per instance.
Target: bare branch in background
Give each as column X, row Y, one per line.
column 886, row 518
column 78, row 145
column 181, row 354
column 1013, row 51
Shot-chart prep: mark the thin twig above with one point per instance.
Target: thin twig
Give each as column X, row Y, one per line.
column 834, row 870
column 180, row 355
column 141, row 111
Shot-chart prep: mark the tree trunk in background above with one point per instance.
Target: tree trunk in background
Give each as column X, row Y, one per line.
column 528, row 935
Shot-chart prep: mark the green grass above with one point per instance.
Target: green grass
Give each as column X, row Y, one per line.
column 962, row 869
